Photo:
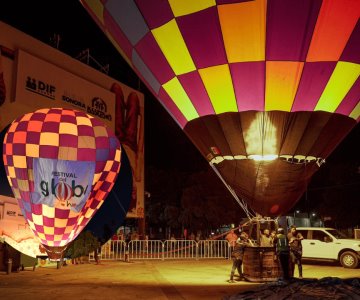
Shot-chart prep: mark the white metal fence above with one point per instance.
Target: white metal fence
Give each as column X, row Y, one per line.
column 169, row 249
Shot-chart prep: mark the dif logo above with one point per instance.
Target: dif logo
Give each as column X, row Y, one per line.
column 62, row 190
column 40, row 87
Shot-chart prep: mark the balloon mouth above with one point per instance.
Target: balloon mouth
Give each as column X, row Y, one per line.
column 267, row 157
column 55, row 253
column 293, row 159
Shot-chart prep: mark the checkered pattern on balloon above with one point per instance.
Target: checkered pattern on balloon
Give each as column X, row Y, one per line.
column 59, row 134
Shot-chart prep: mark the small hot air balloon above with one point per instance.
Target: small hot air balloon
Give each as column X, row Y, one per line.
column 61, row 165
column 265, row 89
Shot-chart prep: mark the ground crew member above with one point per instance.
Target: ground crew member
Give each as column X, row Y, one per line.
column 295, row 239
column 238, row 254
column 283, row 252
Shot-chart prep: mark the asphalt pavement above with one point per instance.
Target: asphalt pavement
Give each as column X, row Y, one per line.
column 151, row 279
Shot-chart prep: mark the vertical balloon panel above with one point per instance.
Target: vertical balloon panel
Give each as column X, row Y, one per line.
column 61, row 165
column 262, row 88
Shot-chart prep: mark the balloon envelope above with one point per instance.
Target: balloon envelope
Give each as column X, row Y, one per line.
column 264, row 89
column 5, row 189
column 61, row 165
column 112, row 213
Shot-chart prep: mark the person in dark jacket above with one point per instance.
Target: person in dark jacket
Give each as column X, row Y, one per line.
column 295, row 239
column 238, row 254
column 283, row 252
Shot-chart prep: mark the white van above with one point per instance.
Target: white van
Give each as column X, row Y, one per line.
column 329, row 244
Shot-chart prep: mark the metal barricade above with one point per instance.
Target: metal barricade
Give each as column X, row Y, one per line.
column 209, row 249
column 111, row 250
column 169, row 249
column 180, row 249
column 146, row 249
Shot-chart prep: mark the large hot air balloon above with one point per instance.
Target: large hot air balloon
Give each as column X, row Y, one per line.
column 61, row 165
column 265, row 89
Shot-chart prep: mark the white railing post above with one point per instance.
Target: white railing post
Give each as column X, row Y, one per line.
column 127, row 253
column 169, row 249
column 162, row 251
column 197, row 251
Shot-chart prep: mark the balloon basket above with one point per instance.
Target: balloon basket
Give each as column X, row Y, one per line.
column 55, row 253
column 260, row 265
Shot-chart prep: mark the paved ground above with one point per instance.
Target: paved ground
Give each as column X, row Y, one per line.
column 139, row 280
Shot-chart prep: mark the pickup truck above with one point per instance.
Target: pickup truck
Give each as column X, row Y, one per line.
column 329, row 244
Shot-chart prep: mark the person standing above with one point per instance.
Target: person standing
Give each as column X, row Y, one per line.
column 295, row 239
column 282, row 250
column 97, row 253
column 237, row 255
column 231, row 238
column 265, row 239
column 272, row 237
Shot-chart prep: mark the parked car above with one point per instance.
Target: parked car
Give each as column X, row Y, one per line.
column 329, row 244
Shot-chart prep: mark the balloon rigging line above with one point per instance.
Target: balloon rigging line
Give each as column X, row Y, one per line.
column 242, row 204
column 118, row 201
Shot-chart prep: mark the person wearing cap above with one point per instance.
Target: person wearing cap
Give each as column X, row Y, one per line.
column 282, row 250
column 295, row 239
column 238, row 254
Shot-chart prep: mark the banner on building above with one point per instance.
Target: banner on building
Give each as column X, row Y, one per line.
column 46, row 85
column 42, row 77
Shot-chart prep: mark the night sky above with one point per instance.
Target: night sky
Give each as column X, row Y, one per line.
column 166, row 146
column 43, row 19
